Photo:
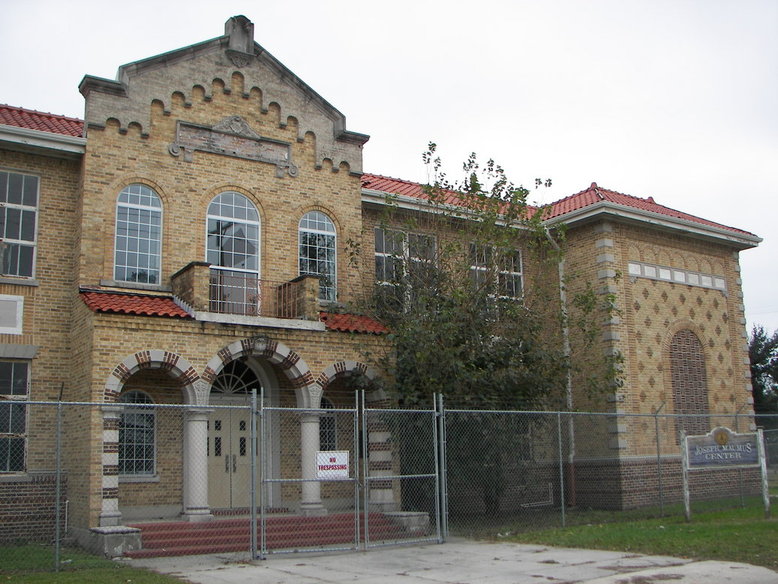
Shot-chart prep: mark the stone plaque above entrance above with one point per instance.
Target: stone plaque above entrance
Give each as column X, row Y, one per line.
column 232, row 137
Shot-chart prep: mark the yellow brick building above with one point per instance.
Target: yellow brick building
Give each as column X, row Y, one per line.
column 187, row 243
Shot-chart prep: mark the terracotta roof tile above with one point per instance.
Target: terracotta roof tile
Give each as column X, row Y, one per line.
column 595, row 194
column 137, row 304
column 403, row 188
column 585, row 198
column 34, row 120
column 352, row 323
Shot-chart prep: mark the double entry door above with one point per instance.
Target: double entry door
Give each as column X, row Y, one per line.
column 229, row 458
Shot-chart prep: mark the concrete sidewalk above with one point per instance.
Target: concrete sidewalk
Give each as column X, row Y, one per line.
column 460, row 562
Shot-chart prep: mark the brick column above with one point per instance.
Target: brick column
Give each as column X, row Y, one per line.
column 109, row 512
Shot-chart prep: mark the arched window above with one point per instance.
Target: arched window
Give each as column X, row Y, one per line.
column 137, row 429
column 690, row 384
column 317, row 252
column 236, row 378
column 328, row 433
column 138, row 235
column 233, row 252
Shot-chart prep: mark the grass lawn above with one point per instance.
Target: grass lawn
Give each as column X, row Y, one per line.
column 33, row 564
column 738, row 535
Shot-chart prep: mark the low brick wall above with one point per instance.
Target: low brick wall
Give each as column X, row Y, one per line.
column 634, row 483
column 28, row 508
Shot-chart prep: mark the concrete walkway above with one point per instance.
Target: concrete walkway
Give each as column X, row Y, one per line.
column 460, row 562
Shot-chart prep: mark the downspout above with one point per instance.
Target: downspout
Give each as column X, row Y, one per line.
column 570, row 479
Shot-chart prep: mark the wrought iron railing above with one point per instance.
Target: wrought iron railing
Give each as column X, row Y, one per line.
column 244, row 294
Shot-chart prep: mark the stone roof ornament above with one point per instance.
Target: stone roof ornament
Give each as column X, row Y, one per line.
column 240, row 48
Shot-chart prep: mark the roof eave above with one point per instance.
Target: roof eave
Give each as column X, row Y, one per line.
column 40, row 142
column 691, row 228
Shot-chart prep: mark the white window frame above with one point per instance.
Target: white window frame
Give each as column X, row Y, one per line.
column 18, row 327
column 237, row 282
column 14, row 245
column 121, row 269
column 406, row 255
column 328, row 286
column 481, row 260
column 145, row 408
column 9, row 437
column 676, row 276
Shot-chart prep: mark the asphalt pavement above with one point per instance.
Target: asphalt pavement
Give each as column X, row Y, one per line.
column 459, row 561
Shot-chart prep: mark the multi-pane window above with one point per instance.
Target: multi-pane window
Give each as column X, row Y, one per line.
column 398, row 254
column 233, row 252
column 328, row 433
column 138, row 235
column 18, row 218
column 318, row 252
column 137, row 428
column 14, row 387
column 500, row 271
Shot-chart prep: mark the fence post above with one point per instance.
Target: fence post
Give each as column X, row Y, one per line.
column 442, row 468
column 363, row 414
column 262, row 474
column 659, row 460
column 58, row 484
column 253, row 481
column 561, row 467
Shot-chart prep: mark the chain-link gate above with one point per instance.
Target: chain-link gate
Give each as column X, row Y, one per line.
column 346, row 478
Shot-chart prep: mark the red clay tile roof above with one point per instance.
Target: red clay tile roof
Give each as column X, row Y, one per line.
column 402, row 187
column 137, row 304
column 352, row 323
column 595, row 194
column 588, row 197
column 33, row 120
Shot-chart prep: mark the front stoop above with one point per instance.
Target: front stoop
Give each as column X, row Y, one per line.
column 180, row 538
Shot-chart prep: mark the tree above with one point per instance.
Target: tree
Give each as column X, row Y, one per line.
column 464, row 324
column 763, row 354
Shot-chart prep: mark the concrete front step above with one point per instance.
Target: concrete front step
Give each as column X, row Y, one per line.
column 234, row 535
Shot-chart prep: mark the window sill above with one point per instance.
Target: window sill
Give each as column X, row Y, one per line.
column 139, row 478
column 19, row 281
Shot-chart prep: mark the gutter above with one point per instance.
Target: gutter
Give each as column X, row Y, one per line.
column 739, row 239
column 28, row 140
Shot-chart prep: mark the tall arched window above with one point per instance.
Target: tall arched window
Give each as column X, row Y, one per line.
column 690, row 384
column 233, row 252
column 317, row 252
column 138, row 235
column 137, row 429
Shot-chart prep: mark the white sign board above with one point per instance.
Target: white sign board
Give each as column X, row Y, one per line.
column 332, row 464
column 723, row 448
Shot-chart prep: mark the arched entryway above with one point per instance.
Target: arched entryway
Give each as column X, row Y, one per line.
column 229, row 433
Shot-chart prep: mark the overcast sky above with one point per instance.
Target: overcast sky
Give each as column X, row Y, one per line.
column 675, row 99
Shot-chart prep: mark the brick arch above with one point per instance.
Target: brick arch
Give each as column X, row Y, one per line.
column 294, row 368
column 689, row 381
column 342, row 368
column 178, row 367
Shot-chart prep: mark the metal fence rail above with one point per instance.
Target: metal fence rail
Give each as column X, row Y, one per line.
column 410, row 475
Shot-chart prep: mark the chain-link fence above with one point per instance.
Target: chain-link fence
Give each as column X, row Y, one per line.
column 163, row 478
column 514, row 471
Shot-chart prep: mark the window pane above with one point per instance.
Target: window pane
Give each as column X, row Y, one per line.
column 30, row 195
column 15, row 185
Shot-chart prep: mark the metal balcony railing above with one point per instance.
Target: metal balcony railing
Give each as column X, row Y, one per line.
column 244, row 294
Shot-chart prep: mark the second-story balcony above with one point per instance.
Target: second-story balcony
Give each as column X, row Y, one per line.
column 242, row 294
